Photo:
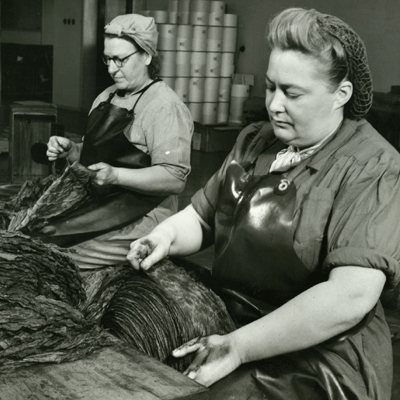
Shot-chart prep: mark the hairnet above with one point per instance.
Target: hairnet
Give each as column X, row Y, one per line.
column 329, row 40
column 359, row 71
column 139, row 28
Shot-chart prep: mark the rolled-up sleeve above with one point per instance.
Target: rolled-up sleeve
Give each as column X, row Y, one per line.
column 364, row 229
column 169, row 136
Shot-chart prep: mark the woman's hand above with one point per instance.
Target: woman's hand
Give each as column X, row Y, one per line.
column 180, row 234
column 105, row 174
column 58, row 147
column 216, row 357
column 148, row 250
column 61, row 147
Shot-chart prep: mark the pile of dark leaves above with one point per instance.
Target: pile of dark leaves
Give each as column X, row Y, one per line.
column 49, row 313
column 42, row 200
column 155, row 311
column 135, row 309
column 41, row 294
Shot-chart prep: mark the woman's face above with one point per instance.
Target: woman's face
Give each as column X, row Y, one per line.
column 134, row 73
column 301, row 105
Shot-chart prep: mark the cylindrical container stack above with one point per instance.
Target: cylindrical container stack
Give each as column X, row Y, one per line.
column 183, row 64
column 160, row 17
column 184, row 37
column 239, row 94
column 183, row 12
column 167, row 63
column 173, row 12
column 182, row 88
column 198, row 60
column 197, row 47
column 199, row 10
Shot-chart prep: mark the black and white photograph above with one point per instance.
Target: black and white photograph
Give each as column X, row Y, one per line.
column 199, row 200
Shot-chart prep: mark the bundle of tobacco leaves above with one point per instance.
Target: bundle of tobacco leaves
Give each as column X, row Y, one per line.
column 134, row 308
column 41, row 293
column 156, row 311
column 40, row 201
column 5, row 217
column 200, row 305
column 50, row 313
column 27, row 196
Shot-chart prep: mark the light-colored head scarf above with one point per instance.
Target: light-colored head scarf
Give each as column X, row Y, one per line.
column 139, row 28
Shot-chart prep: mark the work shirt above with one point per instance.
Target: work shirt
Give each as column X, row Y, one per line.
column 346, row 214
column 162, row 127
column 348, row 197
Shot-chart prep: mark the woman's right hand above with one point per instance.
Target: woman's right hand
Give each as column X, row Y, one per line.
column 180, row 234
column 58, row 147
column 148, row 250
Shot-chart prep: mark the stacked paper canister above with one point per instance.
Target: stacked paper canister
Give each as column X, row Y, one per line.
column 239, row 94
column 196, row 46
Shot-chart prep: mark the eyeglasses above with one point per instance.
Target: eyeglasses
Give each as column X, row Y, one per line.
column 119, row 62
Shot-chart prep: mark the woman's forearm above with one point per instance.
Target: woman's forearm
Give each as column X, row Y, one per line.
column 312, row 317
column 184, row 231
column 180, row 234
column 154, row 180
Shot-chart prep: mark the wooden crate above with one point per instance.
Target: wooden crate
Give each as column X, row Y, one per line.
column 30, row 122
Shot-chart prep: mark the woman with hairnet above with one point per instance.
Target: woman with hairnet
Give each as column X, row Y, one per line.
column 137, row 144
column 304, row 215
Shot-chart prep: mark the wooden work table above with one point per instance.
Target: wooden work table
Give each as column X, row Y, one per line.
column 112, row 373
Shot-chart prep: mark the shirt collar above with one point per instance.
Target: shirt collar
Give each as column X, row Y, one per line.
column 317, row 160
column 312, row 149
column 345, row 132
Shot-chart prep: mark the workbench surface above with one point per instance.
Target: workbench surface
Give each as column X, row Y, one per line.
column 112, row 373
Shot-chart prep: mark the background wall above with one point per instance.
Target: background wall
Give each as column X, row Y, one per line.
column 376, row 22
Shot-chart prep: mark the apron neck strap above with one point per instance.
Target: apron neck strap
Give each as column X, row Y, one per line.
column 139, row 92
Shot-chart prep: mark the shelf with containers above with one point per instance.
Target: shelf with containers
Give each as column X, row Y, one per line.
column 197, row 50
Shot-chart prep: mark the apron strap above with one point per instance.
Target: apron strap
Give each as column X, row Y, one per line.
column 141, row 92
column 112, row 209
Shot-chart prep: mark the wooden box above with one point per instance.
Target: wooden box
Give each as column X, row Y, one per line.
column 30, row 122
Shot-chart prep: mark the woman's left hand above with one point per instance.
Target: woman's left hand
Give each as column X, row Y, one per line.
column 216, row 357
column 105, row 174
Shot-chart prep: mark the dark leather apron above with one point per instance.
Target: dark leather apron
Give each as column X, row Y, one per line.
column 112, row 207
column 105, row 140
column 255, row 258
column 257, row 270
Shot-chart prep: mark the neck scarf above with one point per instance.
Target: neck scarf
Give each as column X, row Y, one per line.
column 290, row 157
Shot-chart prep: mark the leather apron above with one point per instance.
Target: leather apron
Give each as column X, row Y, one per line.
column 256, row 270
column 254, row 255
column 113, row 207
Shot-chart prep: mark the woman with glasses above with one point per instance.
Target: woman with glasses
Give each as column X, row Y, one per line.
column 137, row 145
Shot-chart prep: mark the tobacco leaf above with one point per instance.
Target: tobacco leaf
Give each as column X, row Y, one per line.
column 52, row 199
column 156, row 311
column 41, row 293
